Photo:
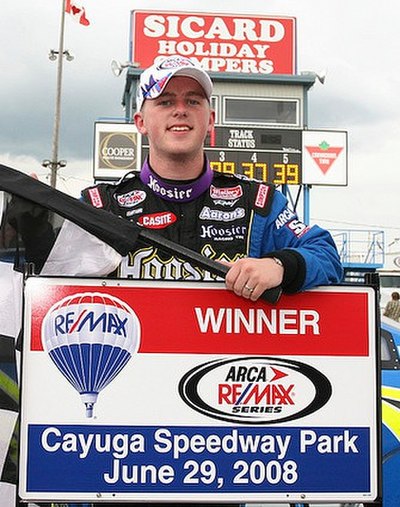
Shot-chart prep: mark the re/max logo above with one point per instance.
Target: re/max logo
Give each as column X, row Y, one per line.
column 270, row 394
column 105, row 321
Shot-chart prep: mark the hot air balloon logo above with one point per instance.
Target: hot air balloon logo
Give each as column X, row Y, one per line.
column 90, row 337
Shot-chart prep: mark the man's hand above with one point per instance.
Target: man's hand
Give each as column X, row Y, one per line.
column 249, row 277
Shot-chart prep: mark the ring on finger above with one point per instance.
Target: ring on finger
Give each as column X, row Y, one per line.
column 250, row 289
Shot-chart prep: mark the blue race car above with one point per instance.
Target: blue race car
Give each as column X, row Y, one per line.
column 390, row 354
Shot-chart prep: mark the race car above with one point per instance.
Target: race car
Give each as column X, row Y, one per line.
column 390, row 354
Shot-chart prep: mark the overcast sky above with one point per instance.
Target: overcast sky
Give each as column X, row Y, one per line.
column 356, row 42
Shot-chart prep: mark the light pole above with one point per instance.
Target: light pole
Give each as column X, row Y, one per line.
column 54, row 164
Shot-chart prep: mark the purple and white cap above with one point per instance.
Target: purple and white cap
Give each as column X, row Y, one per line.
column 154, row 79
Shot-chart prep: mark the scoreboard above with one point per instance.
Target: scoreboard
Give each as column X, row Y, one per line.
column 271, row 155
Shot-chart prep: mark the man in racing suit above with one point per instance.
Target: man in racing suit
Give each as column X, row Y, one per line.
column 225, row 218
column 245, row 224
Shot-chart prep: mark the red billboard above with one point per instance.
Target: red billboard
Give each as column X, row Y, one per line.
column 246, row 43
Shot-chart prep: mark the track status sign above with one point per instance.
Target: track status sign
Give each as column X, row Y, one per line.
column 270, row 155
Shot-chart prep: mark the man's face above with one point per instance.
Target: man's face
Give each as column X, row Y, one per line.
column 176, row 122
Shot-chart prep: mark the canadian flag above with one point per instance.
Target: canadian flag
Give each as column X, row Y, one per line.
column 77, row 12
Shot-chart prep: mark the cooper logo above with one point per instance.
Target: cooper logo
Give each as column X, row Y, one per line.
column 131, row 198
column 226, row 193
column 255, row 390
column 157, row 220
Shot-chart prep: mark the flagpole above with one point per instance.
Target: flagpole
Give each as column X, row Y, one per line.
column 54, row 163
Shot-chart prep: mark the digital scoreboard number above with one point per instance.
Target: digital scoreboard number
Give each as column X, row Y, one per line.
column 270, row 155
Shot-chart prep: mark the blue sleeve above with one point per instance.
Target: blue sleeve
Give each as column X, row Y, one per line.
column 308, row 253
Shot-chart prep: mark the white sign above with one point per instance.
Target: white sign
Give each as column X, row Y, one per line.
column 117, row 150
column 127, row 397
column 324, row 157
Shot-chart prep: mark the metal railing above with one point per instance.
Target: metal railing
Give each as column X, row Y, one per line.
column 360, row 249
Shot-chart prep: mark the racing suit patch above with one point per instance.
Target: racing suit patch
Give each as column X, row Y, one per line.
column 284, row 217
column 95, row 198
column 262, row 196
column 221, row 215
column 228, row 193
column 298, row 228
column 131, row 199
column 157, row 220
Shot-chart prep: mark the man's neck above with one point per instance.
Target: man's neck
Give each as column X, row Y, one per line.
column 177, row 168
column 178, row 191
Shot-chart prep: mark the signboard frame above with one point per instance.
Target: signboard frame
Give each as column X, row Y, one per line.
column 221, row 42
column 325, row 157
column 314, row 438
column 117, row 150
column 272, row 155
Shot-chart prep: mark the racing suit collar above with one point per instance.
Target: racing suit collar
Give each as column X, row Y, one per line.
column 176, row 192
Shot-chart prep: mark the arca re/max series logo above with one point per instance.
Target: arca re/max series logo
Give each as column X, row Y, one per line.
column 255, row 390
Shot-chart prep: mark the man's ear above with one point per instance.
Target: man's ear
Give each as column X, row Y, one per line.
column 211, row 121
column 139, row 123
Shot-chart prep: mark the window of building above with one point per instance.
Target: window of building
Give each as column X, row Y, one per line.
column 261, row 111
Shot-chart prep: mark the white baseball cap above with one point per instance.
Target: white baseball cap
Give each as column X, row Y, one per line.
column 154, row 79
